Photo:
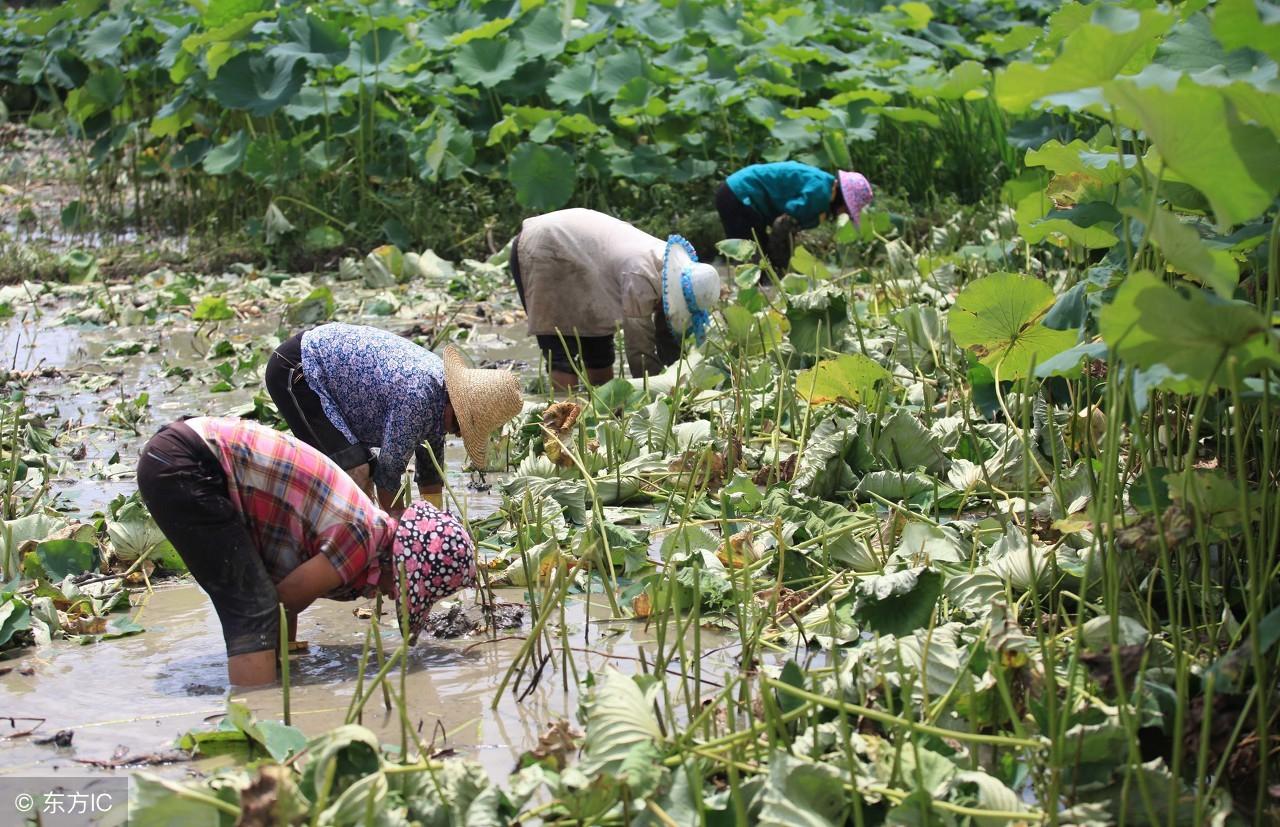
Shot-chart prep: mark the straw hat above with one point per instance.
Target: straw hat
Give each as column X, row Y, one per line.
column 857, row 194
column 689, row 289
column 483, row 401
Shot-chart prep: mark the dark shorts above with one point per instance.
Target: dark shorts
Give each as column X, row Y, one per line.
column 588, row 351
column 185, row 488
column 741, row 221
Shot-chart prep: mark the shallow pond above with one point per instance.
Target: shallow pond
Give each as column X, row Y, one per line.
column 135, row 696
column 140, row 693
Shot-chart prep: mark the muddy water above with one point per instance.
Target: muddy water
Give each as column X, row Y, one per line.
column 141, row 693
column 135, row 696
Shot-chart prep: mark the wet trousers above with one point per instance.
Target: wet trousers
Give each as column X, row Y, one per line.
column 740, row 221
column 186, row 490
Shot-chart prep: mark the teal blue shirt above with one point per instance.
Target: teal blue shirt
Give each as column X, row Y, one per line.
column 799, row 190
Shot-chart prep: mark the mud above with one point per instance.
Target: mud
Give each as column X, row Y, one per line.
column 137, row 695
column 132, row 698
column 461, row 620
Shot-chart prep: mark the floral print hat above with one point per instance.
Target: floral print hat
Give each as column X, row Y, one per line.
column 437, row 556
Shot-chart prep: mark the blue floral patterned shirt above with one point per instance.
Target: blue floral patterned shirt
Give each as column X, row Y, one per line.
column 381, row 390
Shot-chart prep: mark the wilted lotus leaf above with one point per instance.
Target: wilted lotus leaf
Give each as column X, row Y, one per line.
column 554, row 746
column 739, row 550
column 559, row 417
column 557, row 421
column 709, row 467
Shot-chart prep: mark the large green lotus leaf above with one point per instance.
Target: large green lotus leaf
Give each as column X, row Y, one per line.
column 376, row 54
column 1187, row 253
column 644, row 164
column 1149, row 324
column 1202, row 139
column 159, row 802
column 905, row 444
column 1248, row 24
column 619, row 69
column 1079, row 158
column 220, row 12
column 999, row 318
column 484, row 31
column 227, row 156
column 1093, row 53
column 315, row 40
column 849, row 379
column 15, row 616
column 1256, row 100
column 56, row 559
column 258, row 83
column 655, row 24
column 437, row 29
column 106, row 39
column 488, row 62
column 543, row 33
column 825, row 464
column 1191, row 47
column 103, row 90
column 818, row 317
column 619, row 718
column 1090, row 228
column 449, row 151
column 544, row 176
column 225, row 21
column 967, row 81
column 907, row 114
column 897, row 603
column 573, row 84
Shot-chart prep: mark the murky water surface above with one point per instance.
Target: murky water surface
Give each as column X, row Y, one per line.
column 135, row 696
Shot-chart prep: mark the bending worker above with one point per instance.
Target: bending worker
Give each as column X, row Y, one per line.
column 344, row 389
column 263, row 519
column 767, row 203
column 580, row 274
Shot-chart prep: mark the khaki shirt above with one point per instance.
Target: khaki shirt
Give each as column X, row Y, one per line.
column 585, row 273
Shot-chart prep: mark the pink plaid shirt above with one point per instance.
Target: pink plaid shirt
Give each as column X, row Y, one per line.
column 298, row 504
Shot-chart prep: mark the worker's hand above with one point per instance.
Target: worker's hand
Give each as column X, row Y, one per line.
column 784, row 225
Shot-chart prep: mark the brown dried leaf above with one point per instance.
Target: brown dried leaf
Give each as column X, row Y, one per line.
column 559, row 417
column 270, row 799
column 556, row 743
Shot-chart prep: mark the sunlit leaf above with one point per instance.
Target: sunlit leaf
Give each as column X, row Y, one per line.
column 849, row 379
column 1094, row 52
column 1200, row 136
column 1188, row 333
column 999, row 318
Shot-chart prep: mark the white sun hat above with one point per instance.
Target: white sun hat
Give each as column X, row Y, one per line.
column 689, row 289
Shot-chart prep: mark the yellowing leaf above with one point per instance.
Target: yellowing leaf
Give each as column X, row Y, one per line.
column 849, row 380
